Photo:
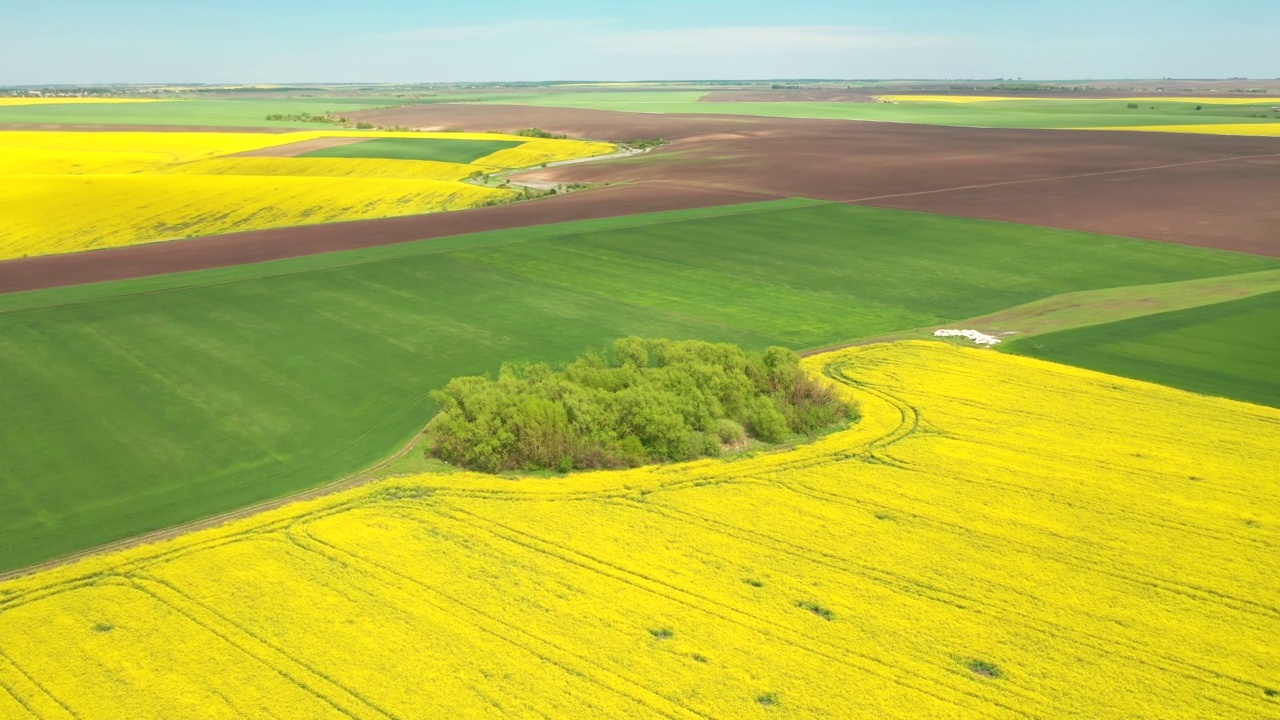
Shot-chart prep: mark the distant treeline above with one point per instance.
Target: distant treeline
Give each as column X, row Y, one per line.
column 327, row 118
column 643, row 401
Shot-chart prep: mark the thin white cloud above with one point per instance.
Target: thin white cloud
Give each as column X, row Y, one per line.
column 531, row 30
column 739, row 40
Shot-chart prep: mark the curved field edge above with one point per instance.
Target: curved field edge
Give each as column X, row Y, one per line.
column 1230, row 349
column 934, row 560
column 284, row 367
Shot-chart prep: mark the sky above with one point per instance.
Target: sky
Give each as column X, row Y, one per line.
column 286, row 41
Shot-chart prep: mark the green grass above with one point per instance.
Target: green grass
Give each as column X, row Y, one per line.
column 1052, row 113
column 1231, row 349
column 1049, row 113
column 137, row 405
column 439, row 149
column 215, row 113
column 1096, row 307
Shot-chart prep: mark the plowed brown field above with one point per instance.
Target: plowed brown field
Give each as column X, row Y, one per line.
column 1215, row 191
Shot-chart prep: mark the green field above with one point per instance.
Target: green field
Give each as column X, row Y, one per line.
column 213, row 113
column 137, row 405
column 1230, row 349
column 438, row 149
column 1049, row 113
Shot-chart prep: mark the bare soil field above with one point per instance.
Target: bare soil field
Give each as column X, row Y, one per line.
column 1210, row 190
column 1214, row 204
column 1215, row 191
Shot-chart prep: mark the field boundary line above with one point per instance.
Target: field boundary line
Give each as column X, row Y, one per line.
column 405, row 252
column 347, row 482
column 1060, row 177
column 350, row 481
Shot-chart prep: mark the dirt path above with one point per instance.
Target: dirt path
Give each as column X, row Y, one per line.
column 1093, row 307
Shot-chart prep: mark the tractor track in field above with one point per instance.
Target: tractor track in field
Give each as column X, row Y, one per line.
column 353, row 480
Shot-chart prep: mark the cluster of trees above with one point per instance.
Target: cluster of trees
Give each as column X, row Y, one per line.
column 643, row 401
column 540, row 133
column 645, row 143
column 309, row 118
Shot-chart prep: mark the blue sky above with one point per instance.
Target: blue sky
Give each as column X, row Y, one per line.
column 64, row 41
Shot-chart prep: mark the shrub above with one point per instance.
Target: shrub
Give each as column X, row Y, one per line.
column 816, row 609
column 984, row 668
column 641, row 401
column 730, row 432
column 540, row 133
column 645, row 143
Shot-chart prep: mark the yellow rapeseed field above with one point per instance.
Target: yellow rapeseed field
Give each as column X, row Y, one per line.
column 157, row 147
column 540, row 151
column 1254, row 129
column 997, row 537
column 1237, row 100
column 331, row 167
column 72, row 213
column 71, row 100
column 71, row 191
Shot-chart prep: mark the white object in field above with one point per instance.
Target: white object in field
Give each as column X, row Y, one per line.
column 974, row 335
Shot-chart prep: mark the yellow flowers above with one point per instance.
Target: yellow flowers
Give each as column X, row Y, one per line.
column 997, row 537
column 331, row 167
column 71, row 100
column 965, row 99
column 72, row 213
column 71, row 191
column 539, row 151
column 1254, row 129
